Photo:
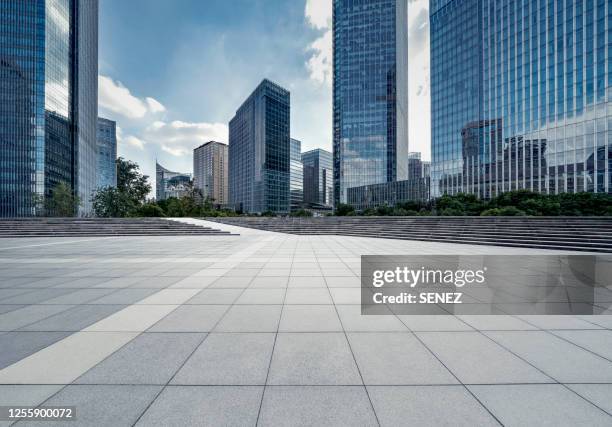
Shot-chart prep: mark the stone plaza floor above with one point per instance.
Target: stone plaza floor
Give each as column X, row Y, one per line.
column 265, row 329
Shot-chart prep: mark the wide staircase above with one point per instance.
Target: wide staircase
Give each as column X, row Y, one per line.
column 87, row 227
column 563, row 233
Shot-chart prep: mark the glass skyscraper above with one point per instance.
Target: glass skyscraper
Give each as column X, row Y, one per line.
column 521, row 94
column 259, row 151
column 210, row 169
column 296, row 178
column 318, row 178
column 107, row 153
column 48, row 101
column 370, row 94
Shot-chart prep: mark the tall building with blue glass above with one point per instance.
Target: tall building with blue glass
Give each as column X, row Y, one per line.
column 259, row 151
column 48, row 101
column 296, row 178
column 318, row 178
column 107, row 153
column 521, row 94
column 370, row 93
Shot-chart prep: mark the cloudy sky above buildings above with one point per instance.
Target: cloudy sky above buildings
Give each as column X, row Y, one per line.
column 173, row 72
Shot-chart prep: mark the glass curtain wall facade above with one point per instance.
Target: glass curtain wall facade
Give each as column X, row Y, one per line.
column 389, row 193
column 210, row 169
column 318, row 178
column 296, row 184
column 48, row 102
column 259, row 152
column 521, row 96
column 370, row 93
column 170, row 184
column 107, row 153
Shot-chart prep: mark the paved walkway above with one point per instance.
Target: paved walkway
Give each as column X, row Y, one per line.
column 265, row 328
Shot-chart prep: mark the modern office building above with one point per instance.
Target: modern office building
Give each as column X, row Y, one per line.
column 521, row 95
column 48, row 101
column 388, row 193
column 370, row 93
column 417, row 168
column 318, row 178
column 107, row 153
column 210, row 169
column 259, row 151
column 170, row 184
column 296, row 176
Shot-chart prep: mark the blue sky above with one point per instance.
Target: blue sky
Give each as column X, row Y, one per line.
column 173, row 72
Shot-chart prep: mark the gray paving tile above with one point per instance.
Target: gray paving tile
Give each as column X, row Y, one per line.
column 80, row 296
column 396, row 358
column 229, row 359
column 151, row 358
column 558, row 322
column 352, row 320
column 597, row 341
column 10, row 307
column 561, row 360
column 237, row 282
column 313, row 359
column 204, row 406
column 36, row 297
column 124, row 296
column 598, row 394
column 316, row 406
column 307, row 282
column 309, row 318
column 307, row 296
column 539, row 405
column 74, row 319
column 261, row 296
column 18, row 345
column 475, row 359
column 29, row 314
column 428, row 406
column 269, row 282
column 434, row 322
column 102, row 405
column 346, row 295
column 191, row 318
column 496, row 322
column 216, row 296
column 250, row 318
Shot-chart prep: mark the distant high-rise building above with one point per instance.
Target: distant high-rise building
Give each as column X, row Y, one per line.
column 318, row 178
column 210, row 169
column 259, row 151
column 370, row 94
column 170, row 184
column 107, row 153
column 521, row 96
column 296, row 172
column 417, row 168
column 49, row 102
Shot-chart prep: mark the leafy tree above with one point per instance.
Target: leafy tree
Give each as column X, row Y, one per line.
column 63, row 202
column 150, row 209
column 129, row 195
column 505, row 211
column 344, row 210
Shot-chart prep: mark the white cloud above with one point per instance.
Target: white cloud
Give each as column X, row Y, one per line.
column 318, row 14
column 115, row 97
column 155, row 106
column 134, row 142
column 179, row 138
